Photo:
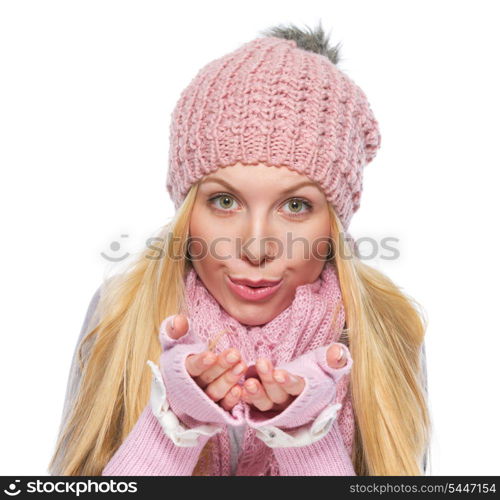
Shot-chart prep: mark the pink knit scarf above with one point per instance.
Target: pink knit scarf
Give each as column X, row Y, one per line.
column 315, row 317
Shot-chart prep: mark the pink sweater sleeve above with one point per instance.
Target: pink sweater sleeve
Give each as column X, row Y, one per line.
column 147, row 451
column 326, row 456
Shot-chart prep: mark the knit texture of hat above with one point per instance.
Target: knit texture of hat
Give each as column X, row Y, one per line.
column 273, row 102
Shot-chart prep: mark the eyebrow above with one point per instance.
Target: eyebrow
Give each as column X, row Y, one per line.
column 283, row 192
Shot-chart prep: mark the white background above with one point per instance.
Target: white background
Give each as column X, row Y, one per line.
column 86, row 92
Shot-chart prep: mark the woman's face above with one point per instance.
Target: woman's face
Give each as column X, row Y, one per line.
column 258, row 222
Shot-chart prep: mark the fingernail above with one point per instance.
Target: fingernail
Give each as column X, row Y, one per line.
column 235, row 391
column 341, row 355
column 252, row 387
column 262, row 366
column 232, row 357
column 279, row 377
column 170, row 322
column 293, row 379
column 237, row 369
column 208, row 359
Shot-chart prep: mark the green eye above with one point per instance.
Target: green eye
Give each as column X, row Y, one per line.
column 295, row 205
column 225, row 201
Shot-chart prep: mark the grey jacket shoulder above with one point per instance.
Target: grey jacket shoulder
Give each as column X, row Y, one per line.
column 90, row 321
column 73, row 383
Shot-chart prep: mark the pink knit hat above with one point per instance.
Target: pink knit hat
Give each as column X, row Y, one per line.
column 274, row 102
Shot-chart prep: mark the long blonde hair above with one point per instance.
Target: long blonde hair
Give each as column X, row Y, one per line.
column 385, row 334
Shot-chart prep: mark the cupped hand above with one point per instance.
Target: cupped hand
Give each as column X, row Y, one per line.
column 277, row 388
column 216, row 374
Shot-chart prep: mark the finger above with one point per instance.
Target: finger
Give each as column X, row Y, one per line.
column 292, row 384
column 254, row 393
column 217, row 389
column 225, row 360
column 275, row 393
column 335, row 356
column 231, row 398
column 177, row 326
column 198, row 363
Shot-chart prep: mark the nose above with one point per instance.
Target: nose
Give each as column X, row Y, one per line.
column 258, row 243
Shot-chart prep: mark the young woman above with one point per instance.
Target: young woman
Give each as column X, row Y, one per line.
column 273, row 349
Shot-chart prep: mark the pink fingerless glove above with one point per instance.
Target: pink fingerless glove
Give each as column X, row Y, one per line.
column 319, row 392
column 188, row 401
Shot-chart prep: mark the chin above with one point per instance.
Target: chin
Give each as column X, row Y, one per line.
column 252, row 321
column 251, row 316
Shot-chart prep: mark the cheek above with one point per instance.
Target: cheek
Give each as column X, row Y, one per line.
column 321, row 246
column 310, row 241
column 200, row 233
column 211, row 240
